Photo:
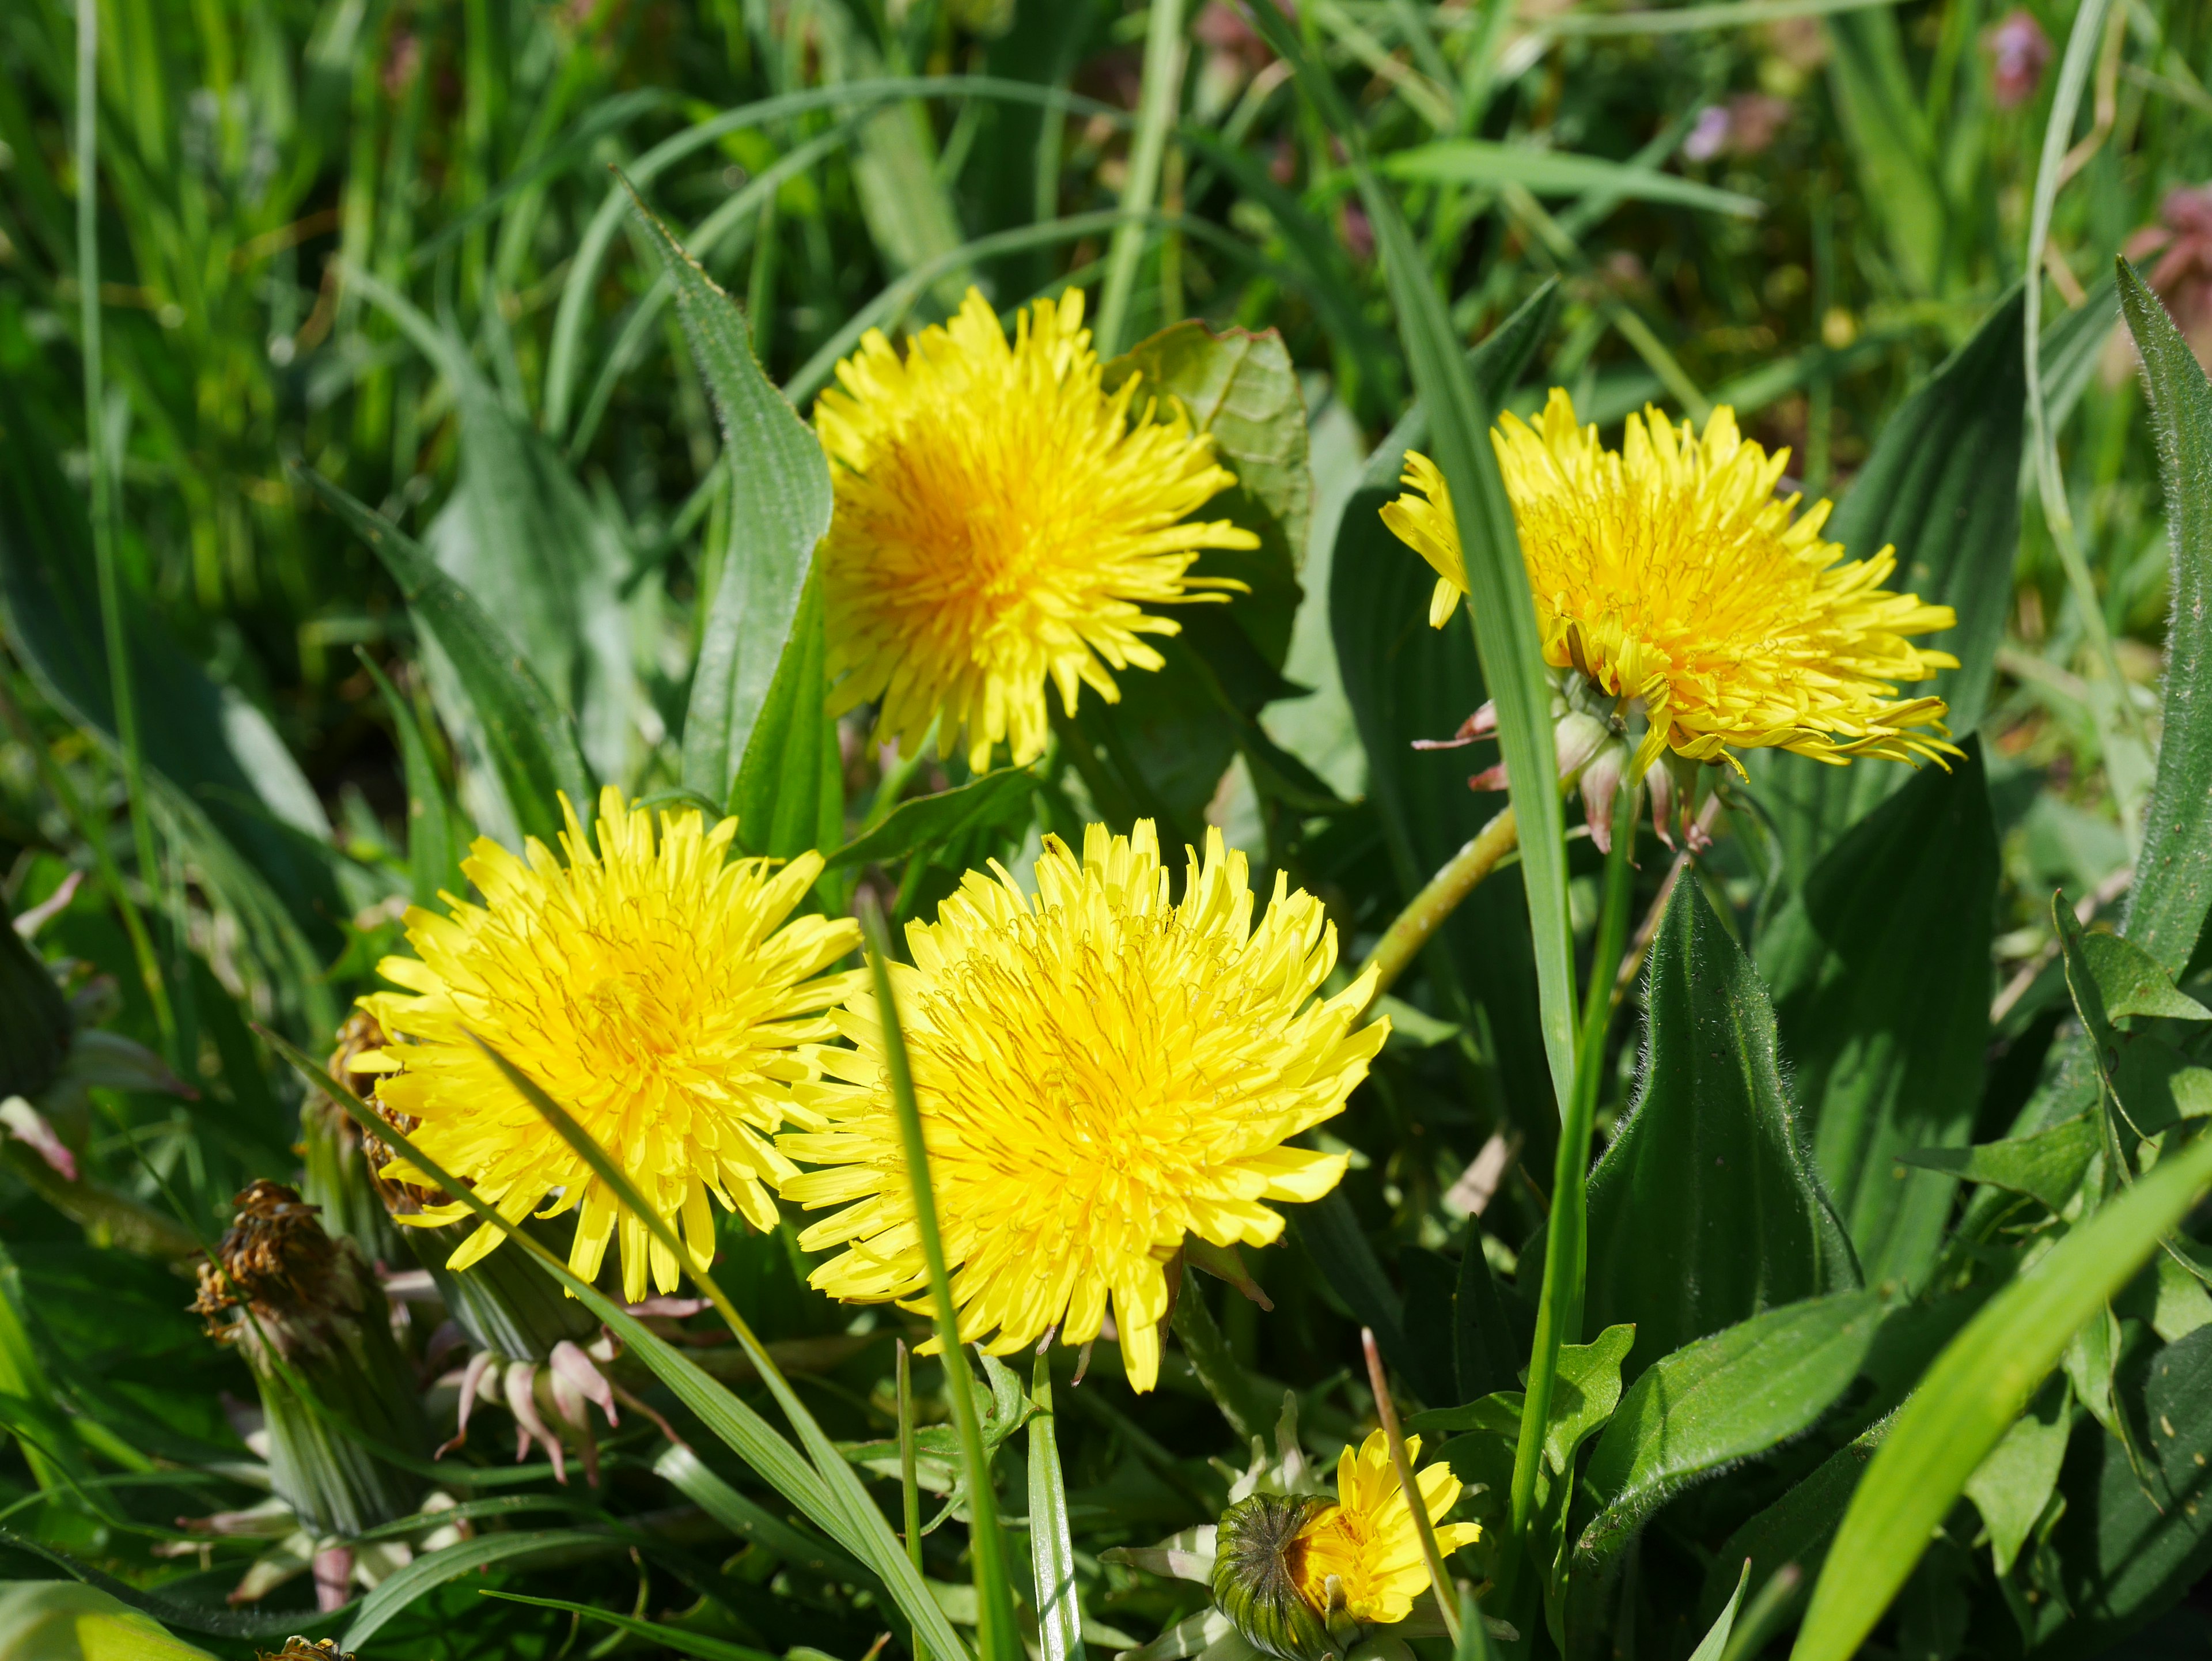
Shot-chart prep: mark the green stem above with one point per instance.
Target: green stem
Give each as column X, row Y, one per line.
column 103, row 479
column 995, row 1633
column 1414, row 926
column 1156, row 113
column 1402, row 1462
column 909, row 1490
column 1559, row 1311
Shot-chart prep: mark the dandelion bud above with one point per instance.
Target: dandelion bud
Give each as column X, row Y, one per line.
column 1256, row 1578
column 297, row 1302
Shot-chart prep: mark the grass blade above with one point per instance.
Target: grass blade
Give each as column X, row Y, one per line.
column 1052, row 1544
column 1156, row 114
column 995, row 1635
column 1973, row 1392
column 674, row 1638
column 1558, row 172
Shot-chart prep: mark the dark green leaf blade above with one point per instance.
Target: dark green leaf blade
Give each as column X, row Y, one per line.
column 531, row 742
column 2047, row 1165
column 926, row 821
column 1880, row 971
column 1723, row 1398
column 1706, row 1209
column 2173, row 891
column 780, row 507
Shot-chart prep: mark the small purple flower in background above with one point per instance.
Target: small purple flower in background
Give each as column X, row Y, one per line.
column 1710, row 134
column 2182, row 240
column 2019, row 49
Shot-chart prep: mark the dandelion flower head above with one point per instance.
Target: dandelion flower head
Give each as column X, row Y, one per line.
column 1101, row 1071
column 1668, row 572
column 1003, row 522
column 1368, row 1541
column 660, row 991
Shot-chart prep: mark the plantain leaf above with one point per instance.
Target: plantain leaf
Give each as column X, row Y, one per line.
column 789, row 795
column 1722, row 1399
column 2173, row 891
column 1941, row 487
column 1406, row 681
column 1706, row 1209
column 530, row 744
column 1970, row 1397
column 1879, row 968
column 780, row 502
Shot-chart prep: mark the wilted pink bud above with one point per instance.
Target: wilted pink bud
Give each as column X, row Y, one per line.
column 1710, row 136
column 2019, row 49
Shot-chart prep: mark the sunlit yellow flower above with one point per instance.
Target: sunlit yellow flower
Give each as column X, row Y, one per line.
column 1668, row 572
column 1001, row 522
column 1100, row 1072
column 654, row 988
column 1367, row 1541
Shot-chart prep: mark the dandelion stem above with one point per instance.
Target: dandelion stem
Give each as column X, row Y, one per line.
column 1559, row 1310
column 1413, row 927
column 1447, row 1595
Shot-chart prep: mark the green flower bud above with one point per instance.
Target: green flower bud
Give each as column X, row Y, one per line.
column 1256, row 1585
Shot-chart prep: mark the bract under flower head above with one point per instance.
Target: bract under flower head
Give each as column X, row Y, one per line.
column 1101, row 1071
column 1002, row 522
column 654, row 988
column 1367, row 1543
column 1669, row 573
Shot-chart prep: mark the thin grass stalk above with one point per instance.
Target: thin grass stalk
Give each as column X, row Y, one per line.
column 1412, row 928
column 1559, row 1309
column 909, row 1488
column 995, row 1610
column 104, row 527
column 1387, row 1411
column 2066, row 102
column 1156, row 113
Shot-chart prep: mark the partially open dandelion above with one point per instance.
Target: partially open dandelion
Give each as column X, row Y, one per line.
column 1669, row 575
column 1101, row 1071
column 659, row 990
column 1299, row 1576
column 1002, row 522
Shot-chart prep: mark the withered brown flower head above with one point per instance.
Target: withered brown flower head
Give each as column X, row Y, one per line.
column 359, row 1035
column 299, row 1649
column 276, row 1256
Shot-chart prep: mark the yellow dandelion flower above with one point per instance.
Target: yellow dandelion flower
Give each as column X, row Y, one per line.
column 1001, row 521
column 1669, row 572
column 656, row 991
column 1367, row 1542
column 1101, row 1073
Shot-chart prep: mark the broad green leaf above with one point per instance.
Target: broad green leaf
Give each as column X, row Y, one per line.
column 530, row 745
column 1052, row 1545
column 391, row 1595
column 780, row 502
column 1976, row 1389
column 2129, row 1555
column 2173, row 890
column 1406, row 681
column 1721, row 1400
column 217, row 763
column 1557, row 172
column 1880, row 970
column 1585, row 1393
column 789, row 794
column 1797, row 1527
column 2133, row 982
column 1705, row 1209
column 2011, row 1486
column 995, row 799
column 654, row 1632
column 435, row 839
column 62, row 1620
column 1942, row 488
column 1890, row 144
column 2152, row 1084
column 2047, row 1165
